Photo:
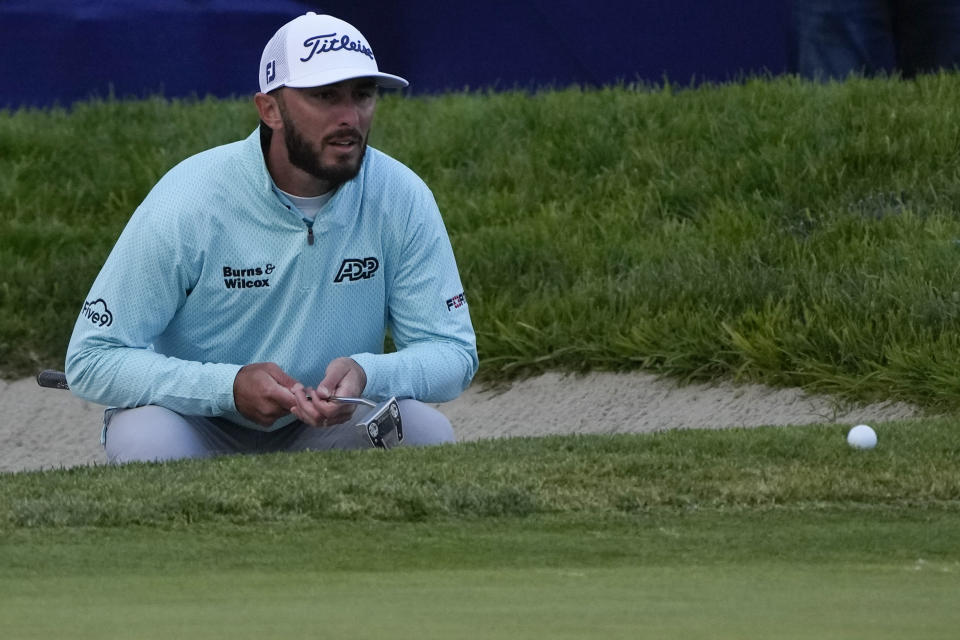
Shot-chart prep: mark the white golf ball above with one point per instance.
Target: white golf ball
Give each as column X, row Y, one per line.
column 862, row 437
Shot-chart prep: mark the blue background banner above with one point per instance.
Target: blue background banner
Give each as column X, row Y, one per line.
column 57, row 52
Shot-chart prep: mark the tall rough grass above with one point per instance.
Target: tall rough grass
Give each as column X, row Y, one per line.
column 772, row 230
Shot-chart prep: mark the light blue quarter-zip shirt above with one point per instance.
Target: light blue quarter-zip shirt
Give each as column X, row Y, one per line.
column 217, row 269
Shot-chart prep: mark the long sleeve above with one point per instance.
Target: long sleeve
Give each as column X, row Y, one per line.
column 436, row 355
column 144, row 282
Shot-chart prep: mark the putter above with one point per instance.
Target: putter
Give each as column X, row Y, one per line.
column 382, row 424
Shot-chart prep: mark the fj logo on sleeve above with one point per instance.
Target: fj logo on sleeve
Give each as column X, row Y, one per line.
column 456, row 302
column 354, row 269
column 97, row 313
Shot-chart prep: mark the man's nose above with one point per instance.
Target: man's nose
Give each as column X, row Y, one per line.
column 349, row 114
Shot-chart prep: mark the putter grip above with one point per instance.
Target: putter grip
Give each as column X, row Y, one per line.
column 52, row 379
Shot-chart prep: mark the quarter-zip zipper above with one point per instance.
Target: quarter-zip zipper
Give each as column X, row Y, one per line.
column 309, row 223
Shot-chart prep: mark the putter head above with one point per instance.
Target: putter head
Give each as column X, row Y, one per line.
column 381, row 423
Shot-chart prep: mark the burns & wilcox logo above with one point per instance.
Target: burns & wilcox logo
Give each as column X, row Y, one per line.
column 97, row 313
column 353, row 269
column 247, row 278
column 330, row 42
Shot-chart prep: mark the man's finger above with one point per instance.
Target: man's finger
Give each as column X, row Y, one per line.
column 345, row 377
column 280, row 397
column 259, row 393
column 303, row 401
column 311, row 407
column 281, row 376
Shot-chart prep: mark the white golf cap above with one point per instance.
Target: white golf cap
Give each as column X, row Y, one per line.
column 315, row 50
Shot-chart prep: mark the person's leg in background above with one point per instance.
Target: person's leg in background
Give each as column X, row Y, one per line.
column 836, row 38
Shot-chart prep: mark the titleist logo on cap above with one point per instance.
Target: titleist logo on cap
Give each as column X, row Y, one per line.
column 330, row 42
column 292, row 57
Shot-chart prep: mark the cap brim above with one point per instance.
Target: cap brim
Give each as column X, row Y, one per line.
column 334, row 76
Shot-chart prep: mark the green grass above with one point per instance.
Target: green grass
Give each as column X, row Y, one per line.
column 770, row 532
column 687, row 576
column 773, row 230
column 785, row 467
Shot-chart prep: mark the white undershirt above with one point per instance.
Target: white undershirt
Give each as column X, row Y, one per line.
column 310, row 206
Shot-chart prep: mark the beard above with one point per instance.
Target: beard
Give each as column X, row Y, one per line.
column 304, row 156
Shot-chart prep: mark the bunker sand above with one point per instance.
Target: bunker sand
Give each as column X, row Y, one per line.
column 51, row 429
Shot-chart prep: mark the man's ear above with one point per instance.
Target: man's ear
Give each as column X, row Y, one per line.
column 269, row 110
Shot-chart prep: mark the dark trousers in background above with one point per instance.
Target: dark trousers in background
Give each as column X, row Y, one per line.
column 838, row 37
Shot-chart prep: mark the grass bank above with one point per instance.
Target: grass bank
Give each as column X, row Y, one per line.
column 788, row 468
column 774, row 230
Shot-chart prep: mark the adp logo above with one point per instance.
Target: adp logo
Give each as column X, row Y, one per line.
column 354, row 269
column 97, row 313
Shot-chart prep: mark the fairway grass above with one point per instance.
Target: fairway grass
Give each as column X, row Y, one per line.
column 771, row 601
column 837, row 574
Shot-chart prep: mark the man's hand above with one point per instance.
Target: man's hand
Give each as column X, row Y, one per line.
column 344, row 377
column 262, row 392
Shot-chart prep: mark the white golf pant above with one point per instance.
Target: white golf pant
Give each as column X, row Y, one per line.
column 152, row 433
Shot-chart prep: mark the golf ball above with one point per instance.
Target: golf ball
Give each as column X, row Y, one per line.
column 862, row 437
